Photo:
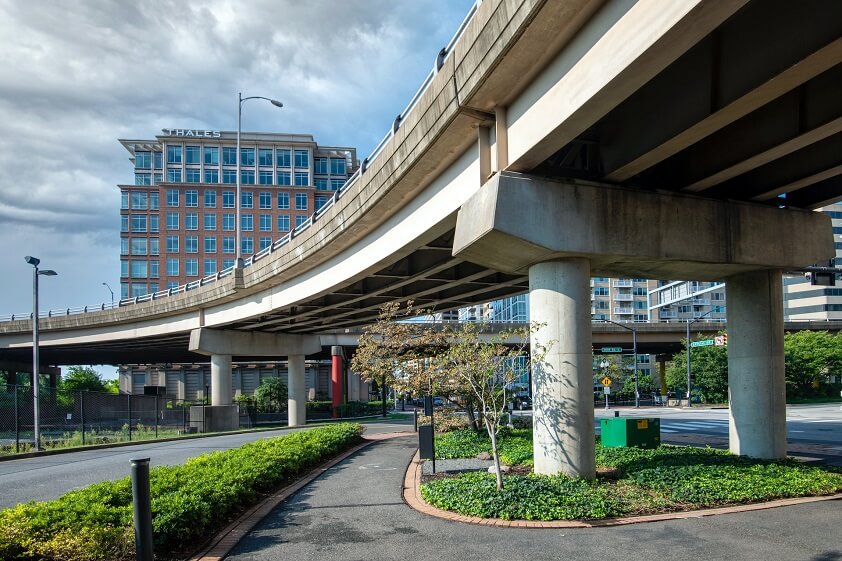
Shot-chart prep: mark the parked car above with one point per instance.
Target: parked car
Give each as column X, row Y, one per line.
column 523, row 401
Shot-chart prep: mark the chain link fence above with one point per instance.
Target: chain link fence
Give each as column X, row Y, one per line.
column 81, row 418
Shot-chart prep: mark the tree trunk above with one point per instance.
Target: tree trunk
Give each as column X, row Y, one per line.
column 492, row 432
column 472, row 417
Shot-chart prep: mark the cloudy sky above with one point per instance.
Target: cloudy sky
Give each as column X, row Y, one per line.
column 76, row 76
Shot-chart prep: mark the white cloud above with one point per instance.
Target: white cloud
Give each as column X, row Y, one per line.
column 77, row 76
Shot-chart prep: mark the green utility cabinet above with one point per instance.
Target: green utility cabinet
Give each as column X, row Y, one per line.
column 631, row 431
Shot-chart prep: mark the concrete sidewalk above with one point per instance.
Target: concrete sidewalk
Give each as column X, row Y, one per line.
column 355, row 512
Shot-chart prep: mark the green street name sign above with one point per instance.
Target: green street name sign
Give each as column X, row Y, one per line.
column 613, row 349
column 702, row 343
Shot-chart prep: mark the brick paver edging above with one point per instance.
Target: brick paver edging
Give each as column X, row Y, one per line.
column 412, row 497
column 223, row 542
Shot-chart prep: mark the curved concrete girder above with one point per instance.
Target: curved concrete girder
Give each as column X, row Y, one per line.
column 252, row 343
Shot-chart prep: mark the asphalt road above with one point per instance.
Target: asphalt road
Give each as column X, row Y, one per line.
column 355, row 512
column 48, row 477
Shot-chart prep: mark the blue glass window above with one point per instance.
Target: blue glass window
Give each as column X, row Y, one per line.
column 283, row 158
column 302, row 179
column 139, row 199
column 174, row 175
column 172, row 198
column 142, row 160
column 228, row 222
column 191, row 198
column 228, row 245
column 143, row 179
column 211, row 156
column 154, row 223
column 210, row 244
column 139, row 246
column 124, row 268
column 227, row 263
column 210, row 199
column 265, row 242
column 124, row 199
column 283, row 200
column 284, row 178
column 124, row 222
column 264, row 156
column 283, row 223
column 154, row 246
column 192, row 155
column 193, row 176
column 172, row 221
column 172, row 244
column 191, row 267
column 265, row 222
column 301, row 201
column 337, row 166
column 158, row 160
column 302, row 159
column 321, row 200
column 247, row 155
column 247, row 222
column 265, row 178
column 138, row 223
column 246, row 199
column 191, row 244
column 191, row 221
column 139, row 269
column 336, row 184
column 124, row 246
column 320, row 165
column 229, row 176
column 210, row 222
column 210, row 266
column 228, row 199
column 247, row 245
column 299, row 220
column 265, row 199
column 247, row 177
column 322, row 184
column 154, row 203
column 229, row 156
column 173, row 154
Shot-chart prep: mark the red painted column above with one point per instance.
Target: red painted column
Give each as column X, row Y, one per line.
column 336, row 376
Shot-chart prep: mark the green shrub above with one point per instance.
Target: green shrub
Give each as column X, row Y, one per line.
column 189, row 501
column 515, row 445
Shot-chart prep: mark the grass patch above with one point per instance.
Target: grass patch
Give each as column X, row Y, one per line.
column 635, row 481
column 515, row 445
column 189, row 502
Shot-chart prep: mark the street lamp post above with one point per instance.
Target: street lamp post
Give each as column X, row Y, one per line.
column 634, row 350
column 105, row 284
column 689, row 323
column 276, row 103
column 34, row 261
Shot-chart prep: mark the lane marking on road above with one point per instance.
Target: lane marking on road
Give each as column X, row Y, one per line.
column 376, row 467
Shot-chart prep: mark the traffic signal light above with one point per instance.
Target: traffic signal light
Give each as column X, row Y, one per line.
column 725, row 339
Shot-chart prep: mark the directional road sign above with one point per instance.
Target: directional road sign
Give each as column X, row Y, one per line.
column 611, row 349
column 702, row 343
column 606, row 381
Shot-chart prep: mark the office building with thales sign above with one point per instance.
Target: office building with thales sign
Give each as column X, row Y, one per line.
column 178, row 213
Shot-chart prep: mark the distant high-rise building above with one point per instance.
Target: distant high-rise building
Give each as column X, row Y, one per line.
column 178, row 215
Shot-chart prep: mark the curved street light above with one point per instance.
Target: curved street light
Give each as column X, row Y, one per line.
column 34, row 261
column 106, row 285
column 276, row 103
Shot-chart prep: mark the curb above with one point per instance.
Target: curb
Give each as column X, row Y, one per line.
column 412, row 497
column 89, row 447
column 223, row 542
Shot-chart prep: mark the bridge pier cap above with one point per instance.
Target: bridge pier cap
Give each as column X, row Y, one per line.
column 252, row 343
column 518, row 220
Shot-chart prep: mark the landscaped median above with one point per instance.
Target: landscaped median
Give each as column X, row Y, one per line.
column 630, row 481
column 189, row 502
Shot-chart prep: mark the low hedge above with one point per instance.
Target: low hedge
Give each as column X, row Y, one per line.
column 635, row 481
column 515, row 445
column 189, row 502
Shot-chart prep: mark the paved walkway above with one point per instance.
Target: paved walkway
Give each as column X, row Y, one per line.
column 355, row 512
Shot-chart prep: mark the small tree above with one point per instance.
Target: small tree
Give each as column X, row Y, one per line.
column 82, row 378
column 811, row 356
column 271, row 395
column 485, row 368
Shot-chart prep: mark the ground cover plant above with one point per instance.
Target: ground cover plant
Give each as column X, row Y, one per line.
column 629, row 481
column 189, row 502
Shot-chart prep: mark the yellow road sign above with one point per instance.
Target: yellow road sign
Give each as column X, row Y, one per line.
column 606, row 381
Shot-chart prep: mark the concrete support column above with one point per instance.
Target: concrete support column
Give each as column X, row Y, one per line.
column 354, row 383
column 220, row 379
column 181, row 393
column 296, row 391
column 336, row 364
column 562, row 386
column 756, row 382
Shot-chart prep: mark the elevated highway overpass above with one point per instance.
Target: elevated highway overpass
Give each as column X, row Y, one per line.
column 554, row 140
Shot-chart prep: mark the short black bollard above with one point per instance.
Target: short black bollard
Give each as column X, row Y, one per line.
column 415, row 415
column 142, row 510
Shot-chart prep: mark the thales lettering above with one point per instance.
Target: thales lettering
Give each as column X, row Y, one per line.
column 192, row 133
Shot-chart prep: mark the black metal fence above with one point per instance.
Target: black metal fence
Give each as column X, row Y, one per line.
column 80, row 418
